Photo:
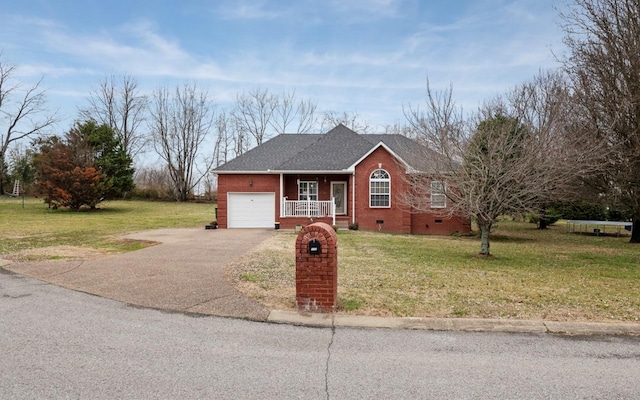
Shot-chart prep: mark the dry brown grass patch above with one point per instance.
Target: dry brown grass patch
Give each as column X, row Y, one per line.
column 533, row 274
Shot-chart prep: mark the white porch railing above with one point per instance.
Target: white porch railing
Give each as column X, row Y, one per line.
column 309, row 209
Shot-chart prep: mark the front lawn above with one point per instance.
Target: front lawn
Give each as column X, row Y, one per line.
column 534, row 274
column 30, row 226
column 548, row 274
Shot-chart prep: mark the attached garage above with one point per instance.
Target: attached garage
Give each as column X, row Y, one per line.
column 251, row 210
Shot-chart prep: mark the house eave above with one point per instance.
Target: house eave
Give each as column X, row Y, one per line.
column 352, row 167
column 241, row 172
column 286, row 172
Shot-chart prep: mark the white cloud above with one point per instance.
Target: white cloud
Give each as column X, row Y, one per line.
column 51, row 71
column 482, row 49
column 344, row 60
column 364, row 9
column 246, row 10
column 135, row 48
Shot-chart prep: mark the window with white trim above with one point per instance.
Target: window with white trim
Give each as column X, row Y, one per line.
column 308, row 190
column 380, row 189
column 438, row 197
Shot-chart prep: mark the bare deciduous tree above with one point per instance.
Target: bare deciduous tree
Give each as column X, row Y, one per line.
column 510, row 157
column 259, row 114
column 398, row 129
column 292, row 115
column 604, row 65
column 22, row 113
column 119, row 105
column 153, row 183
column 223, row 150
column 253, row 113
column 180, row 122
column 241, row 141
column 331, row 119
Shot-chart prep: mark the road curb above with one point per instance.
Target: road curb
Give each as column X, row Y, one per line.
column 454, row 324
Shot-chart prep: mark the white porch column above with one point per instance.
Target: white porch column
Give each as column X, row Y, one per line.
column 333, row 210
column 281, row 195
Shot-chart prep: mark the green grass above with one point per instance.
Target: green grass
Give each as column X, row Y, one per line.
column 351, row 304
column 548, row 274
column 33, row 225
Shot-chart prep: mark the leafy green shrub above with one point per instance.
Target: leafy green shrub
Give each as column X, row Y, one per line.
column 617, row 215
column 551, row 217
column 532, row 218
column 579, row 210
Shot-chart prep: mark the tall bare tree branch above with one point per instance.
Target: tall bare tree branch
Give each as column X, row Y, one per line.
column 223, row 148
column 23, row 114
column 511, row 156
column 351, row 120
column 117, row 103
column 603, row 63
column 181, row 121
column 292, row 115
column 253, row 114
column 260, row 114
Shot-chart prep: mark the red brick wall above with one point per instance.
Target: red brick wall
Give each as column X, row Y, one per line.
column 432, row 224
column 317, row 275
column 291, row 186
column 396, row 218
column 245, row 183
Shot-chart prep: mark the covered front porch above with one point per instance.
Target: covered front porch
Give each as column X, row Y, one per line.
column 310, row 198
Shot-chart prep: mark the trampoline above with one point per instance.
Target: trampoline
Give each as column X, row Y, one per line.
column 597, row 227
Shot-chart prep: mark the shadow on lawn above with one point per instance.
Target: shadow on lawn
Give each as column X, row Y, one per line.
column 102, row 208
column 502, row 238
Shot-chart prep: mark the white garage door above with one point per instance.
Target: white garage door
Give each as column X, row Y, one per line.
column 251, row 210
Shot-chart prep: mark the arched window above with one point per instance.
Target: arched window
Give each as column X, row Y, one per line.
column 380, row 189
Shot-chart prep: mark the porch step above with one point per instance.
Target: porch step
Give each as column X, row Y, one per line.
column 342, row 225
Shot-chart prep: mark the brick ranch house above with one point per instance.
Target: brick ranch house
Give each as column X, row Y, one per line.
column 340, row 178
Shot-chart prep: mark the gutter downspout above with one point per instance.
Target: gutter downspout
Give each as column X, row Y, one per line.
column 353, row 198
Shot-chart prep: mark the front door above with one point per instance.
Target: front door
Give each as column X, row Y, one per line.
column 339, row 193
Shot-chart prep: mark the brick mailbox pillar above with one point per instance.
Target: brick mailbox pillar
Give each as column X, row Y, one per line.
column 317, row 268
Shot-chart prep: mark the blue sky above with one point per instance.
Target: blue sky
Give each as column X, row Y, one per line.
column 366, row 56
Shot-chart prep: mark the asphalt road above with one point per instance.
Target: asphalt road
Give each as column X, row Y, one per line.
column 57, row 343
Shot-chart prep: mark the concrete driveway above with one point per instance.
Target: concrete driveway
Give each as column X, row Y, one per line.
column 184, row 272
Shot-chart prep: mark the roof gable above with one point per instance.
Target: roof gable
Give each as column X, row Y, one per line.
column 413, row 154
column 374, row 148
column 340, row 149
column 336, row 150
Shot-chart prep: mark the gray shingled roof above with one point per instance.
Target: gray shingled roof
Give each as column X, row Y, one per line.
column 413, row 153
column 336, row 150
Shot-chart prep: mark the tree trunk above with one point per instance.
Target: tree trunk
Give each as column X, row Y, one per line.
column 3, row 173
column 485, row 230
column 543, row 219
column 635, row 230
